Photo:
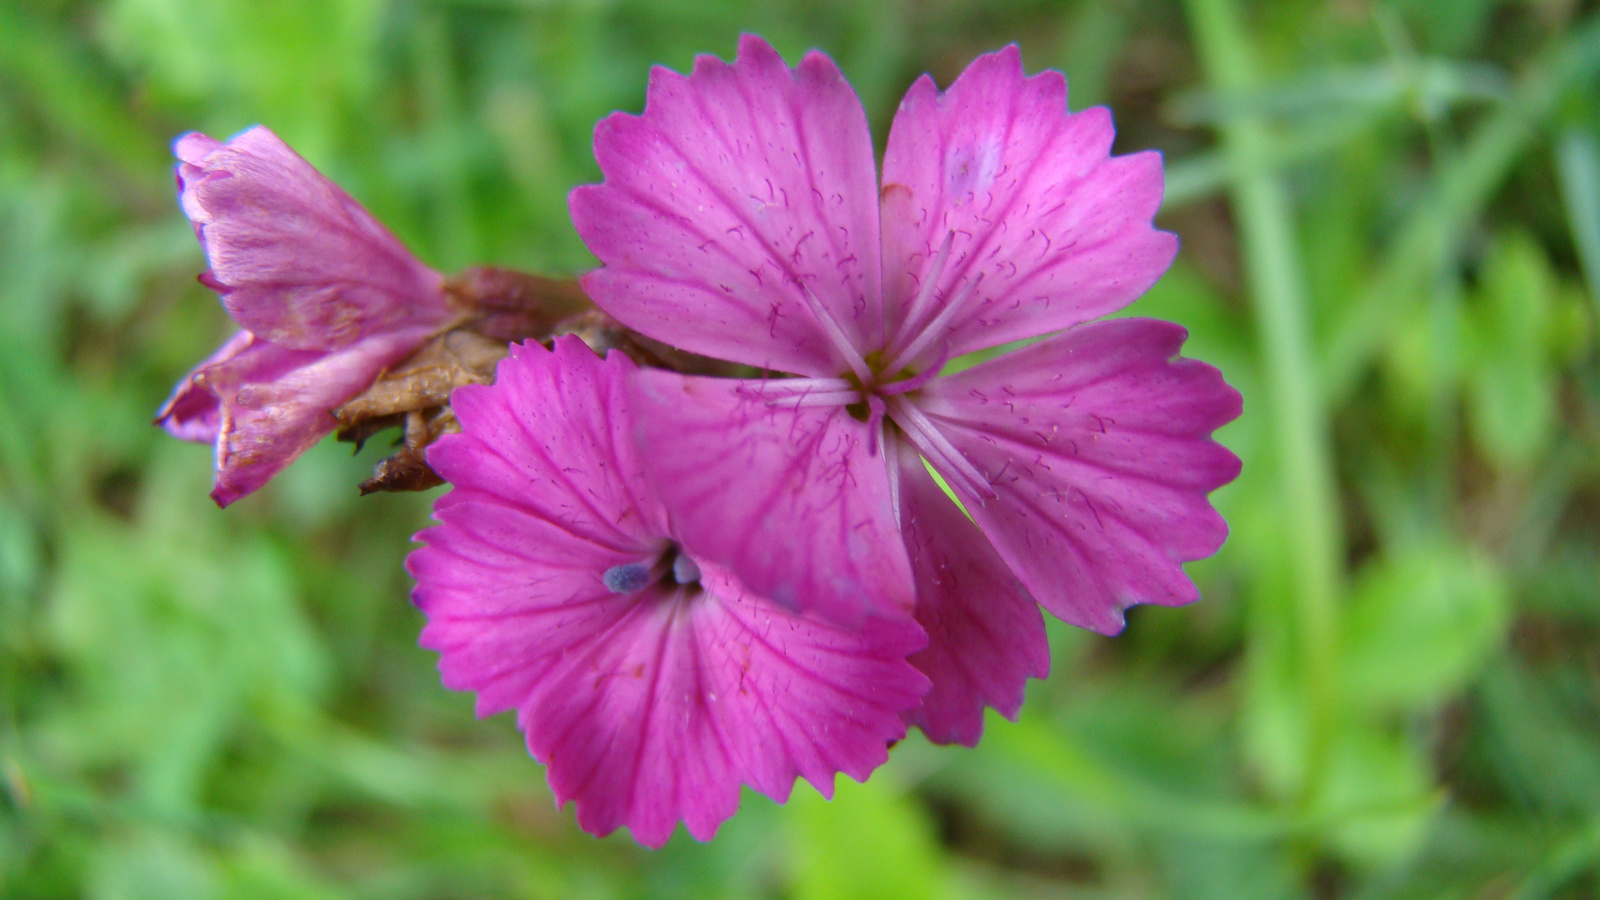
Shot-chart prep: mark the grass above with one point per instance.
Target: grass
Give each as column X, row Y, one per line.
column 1390, row 214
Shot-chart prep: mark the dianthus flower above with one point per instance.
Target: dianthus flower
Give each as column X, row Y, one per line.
column 327, row 299
column 741, row 218
column 647, row 677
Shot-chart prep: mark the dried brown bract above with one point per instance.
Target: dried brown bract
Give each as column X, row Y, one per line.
column 497, row 307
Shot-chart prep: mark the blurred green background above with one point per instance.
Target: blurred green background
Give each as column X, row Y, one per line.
column 1390, row 214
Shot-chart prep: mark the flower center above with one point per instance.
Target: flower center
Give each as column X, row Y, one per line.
column 672, row 571
column 876, row 385
column 903, row 364
column 883, row 386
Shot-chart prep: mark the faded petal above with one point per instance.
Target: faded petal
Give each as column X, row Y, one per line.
column 193, row 413
column 295, row 259
column 276, row 402
column 648, row 707
column 790, row 499
column 1097, row 444
column 739, row 184
column 1057, row 229
column 985, row 634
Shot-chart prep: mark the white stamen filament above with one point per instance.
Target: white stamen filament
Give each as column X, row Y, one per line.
column 841, row 344
column 916, row 382
column 935, row 328
column 832, row 398
column 891, row 456
column 925, row 436
column 794, row 387
column 876, row 409
column 930, row 283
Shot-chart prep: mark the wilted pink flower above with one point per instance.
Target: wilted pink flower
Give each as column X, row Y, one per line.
column 648, row 679
column 326, row 297
column 741, row 218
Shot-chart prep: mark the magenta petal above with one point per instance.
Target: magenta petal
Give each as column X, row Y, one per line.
column 800, row 695
column 547, row 494
column 553, row 435
column 276, row 402
column 1097, row 443
column 649, row 707
column 507, row 595
column 1058, row 230
column 296, row 260
column 661, row 717
column 193, row 413
column 737, row 185
column 985, row 634
column 790, row 499
column 624, row 721
column 605, row 685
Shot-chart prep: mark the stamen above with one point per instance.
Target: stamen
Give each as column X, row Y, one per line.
column 874, row 422
column 685, row 570
column 626, row 578
column 891, row 456
column 907, row 385
column 791, row 387
column 925, row 293
column 935, row 328
column 925, row 436
column 838, row 398
column 841, row 344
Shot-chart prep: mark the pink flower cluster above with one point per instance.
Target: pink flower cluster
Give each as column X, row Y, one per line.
column 685, row 584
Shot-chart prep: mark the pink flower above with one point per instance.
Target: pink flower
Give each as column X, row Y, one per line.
column 326, row 297
column 648, row 679
column 741, row 218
